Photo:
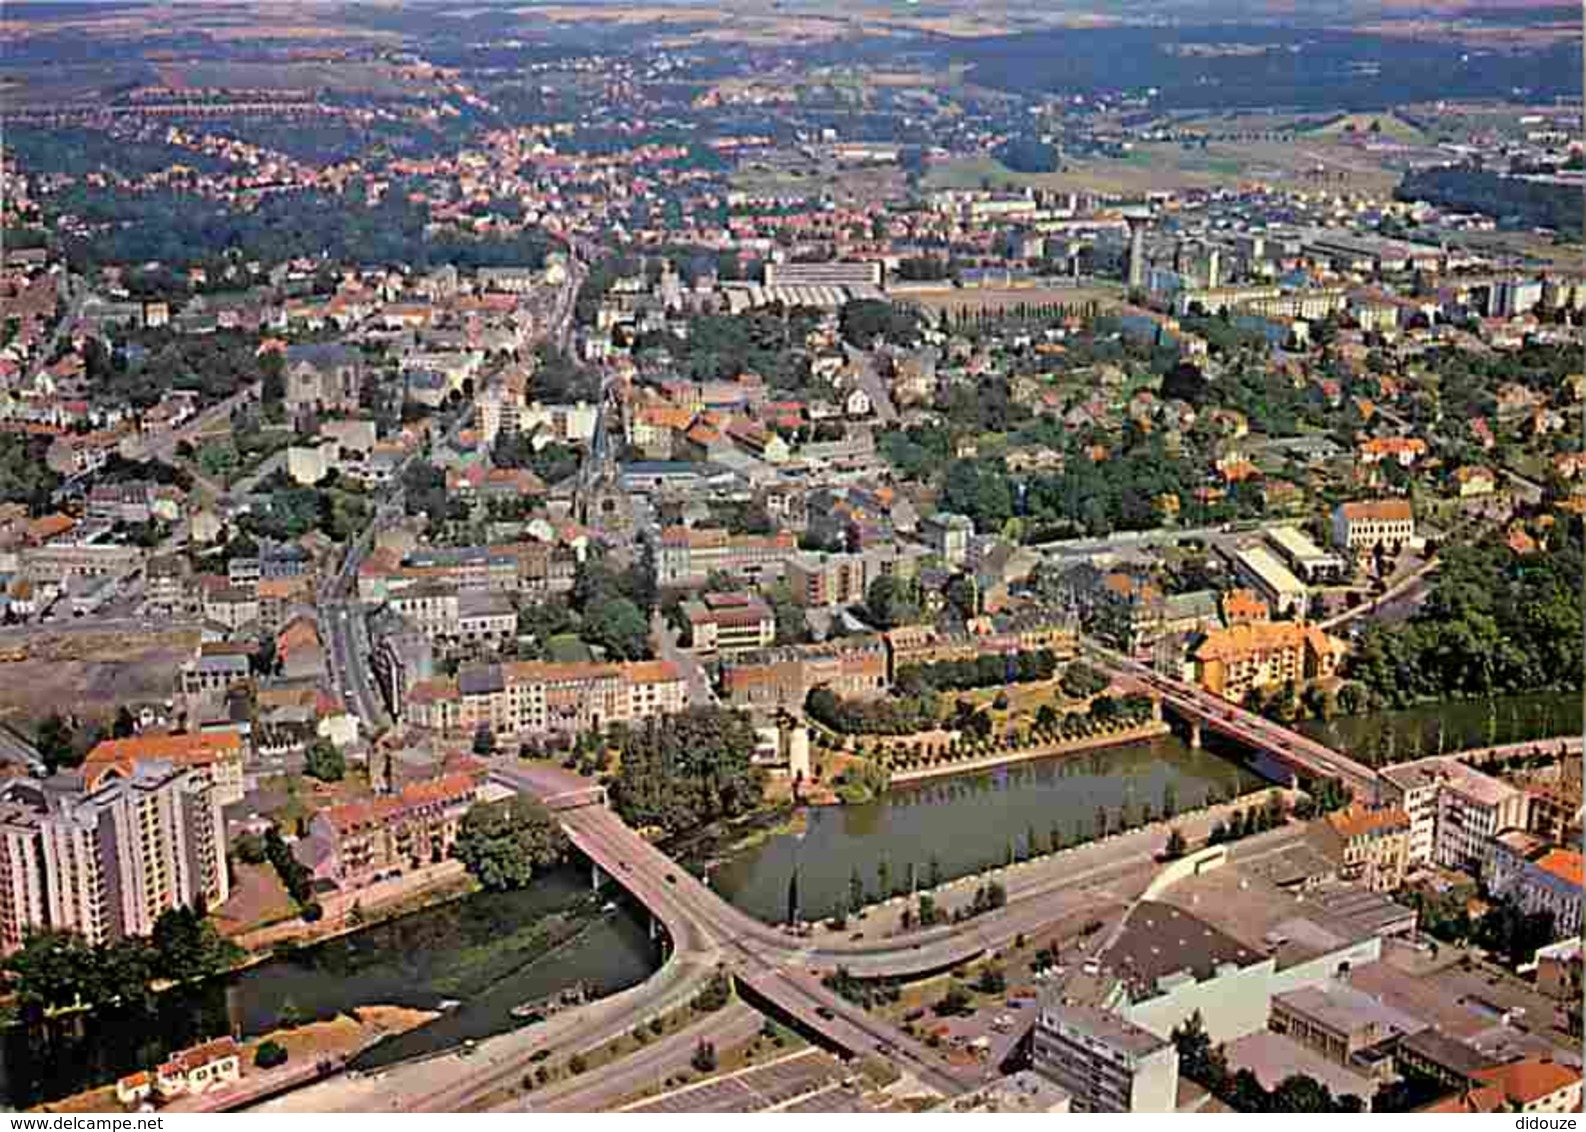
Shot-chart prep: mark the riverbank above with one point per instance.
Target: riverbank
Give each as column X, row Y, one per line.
column 336, row 1039
column 1138, row 734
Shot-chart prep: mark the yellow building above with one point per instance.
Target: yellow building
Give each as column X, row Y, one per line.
column 1376, row 843
column 1230, row 662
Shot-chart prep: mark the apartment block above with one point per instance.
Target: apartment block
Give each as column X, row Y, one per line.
column 1375, row 844
column 687, row 556
column 105, row 861
column 536, row 697
column 1538, row 877
column 820, row 580
column 1230, row 662
column 357, row 842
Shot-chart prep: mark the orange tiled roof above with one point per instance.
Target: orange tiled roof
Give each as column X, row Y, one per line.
column 1562, row 863
column 1390, row 510
column 187, row 1060
column 1485, row 1098
column 1357, row 820
column 1255, row 637
column 447, row 788
column 194, row 747
column 1524, row 1082
column 1244, row 605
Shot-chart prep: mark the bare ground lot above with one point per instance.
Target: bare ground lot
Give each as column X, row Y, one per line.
column 88, row 688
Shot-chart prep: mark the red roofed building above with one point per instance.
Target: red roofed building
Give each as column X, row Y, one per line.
column 1536, row 1084
column 217, row 753
column 200, row 1068
column 358, row 842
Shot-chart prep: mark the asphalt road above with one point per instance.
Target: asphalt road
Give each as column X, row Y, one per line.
column 734, row 1025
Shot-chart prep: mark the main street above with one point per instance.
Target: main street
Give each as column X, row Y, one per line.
column 342, row 617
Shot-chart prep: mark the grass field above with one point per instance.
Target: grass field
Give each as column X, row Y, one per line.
column 1387, row 126
column 1171, row 165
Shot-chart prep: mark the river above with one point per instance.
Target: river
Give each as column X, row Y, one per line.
column 1394, row 736
column 488, row 953
column 966, row 821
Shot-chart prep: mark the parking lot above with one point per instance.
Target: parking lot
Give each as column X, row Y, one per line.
column 763, row 1087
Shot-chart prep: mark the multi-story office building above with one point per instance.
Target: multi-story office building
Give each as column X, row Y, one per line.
column 1455, row 811
column 688, row 556
column 1105, row 1063
column 728, row 623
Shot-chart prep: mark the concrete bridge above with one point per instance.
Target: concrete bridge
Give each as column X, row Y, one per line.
column 1201, row 709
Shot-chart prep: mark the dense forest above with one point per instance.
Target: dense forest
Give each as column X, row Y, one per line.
column 1276, row 66
column 1494, row 623
column 1533, row 204
column 171, row 226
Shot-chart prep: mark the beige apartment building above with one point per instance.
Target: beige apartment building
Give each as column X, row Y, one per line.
column 538, row 697
column 106, row 862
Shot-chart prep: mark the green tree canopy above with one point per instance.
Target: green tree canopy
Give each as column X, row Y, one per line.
column 503, row 843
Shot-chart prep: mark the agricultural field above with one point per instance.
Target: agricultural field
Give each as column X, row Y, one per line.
column 1173, row 165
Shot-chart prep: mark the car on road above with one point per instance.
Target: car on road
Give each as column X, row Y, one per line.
column 825, row 1012
column 671, row 878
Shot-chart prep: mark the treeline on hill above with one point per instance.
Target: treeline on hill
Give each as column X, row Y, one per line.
column 177, row 227
column 1297, row 67
column 1535, row 204
column 687, row 770
column 1494, row 623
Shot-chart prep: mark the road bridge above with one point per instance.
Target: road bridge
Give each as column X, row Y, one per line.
column 1302, row 754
